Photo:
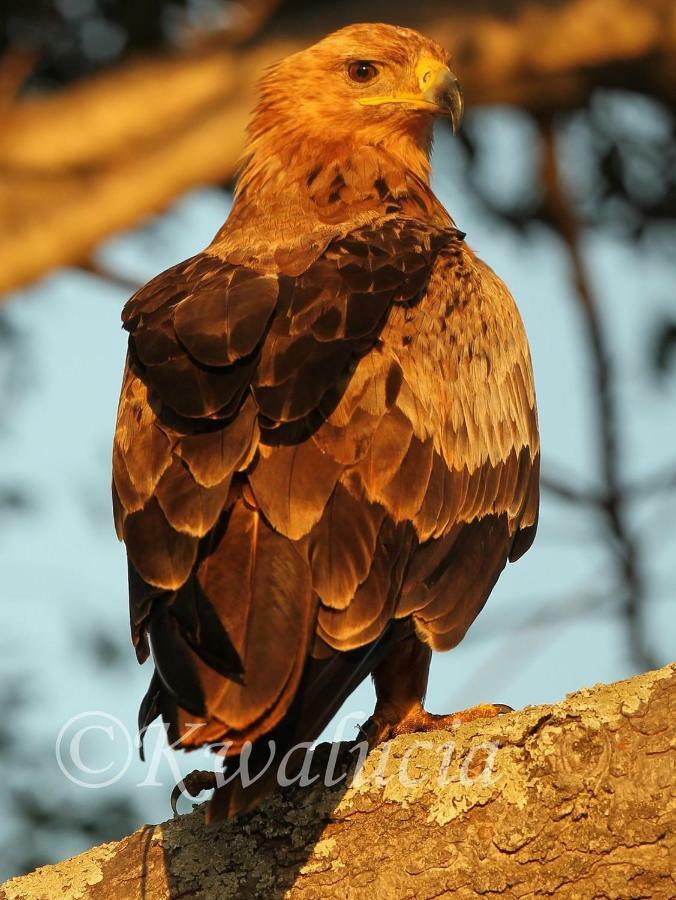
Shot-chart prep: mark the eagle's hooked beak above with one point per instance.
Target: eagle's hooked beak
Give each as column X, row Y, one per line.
column 442, row 88
column 440, row 93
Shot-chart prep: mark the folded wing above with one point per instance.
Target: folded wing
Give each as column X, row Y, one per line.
column 235, row 482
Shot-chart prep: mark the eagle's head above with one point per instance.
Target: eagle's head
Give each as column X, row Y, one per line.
column 362, row 76
column 365, row 85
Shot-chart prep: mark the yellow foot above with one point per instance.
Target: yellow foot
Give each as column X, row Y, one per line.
column 382, row 725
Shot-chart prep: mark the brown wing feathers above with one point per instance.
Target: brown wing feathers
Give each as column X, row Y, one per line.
column 216, row 351
column 288, row 476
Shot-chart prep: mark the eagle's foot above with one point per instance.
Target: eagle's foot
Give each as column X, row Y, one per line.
column 382, row 726
column 192, row 785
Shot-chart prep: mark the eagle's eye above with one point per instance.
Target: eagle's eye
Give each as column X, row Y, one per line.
column 361, row 71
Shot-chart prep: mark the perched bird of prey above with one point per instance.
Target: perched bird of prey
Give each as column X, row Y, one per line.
column 326, row 446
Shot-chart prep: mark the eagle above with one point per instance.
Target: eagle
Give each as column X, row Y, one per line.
column 327, row 446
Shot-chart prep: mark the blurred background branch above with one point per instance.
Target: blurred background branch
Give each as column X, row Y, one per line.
column 92, row 157
column 614, row 500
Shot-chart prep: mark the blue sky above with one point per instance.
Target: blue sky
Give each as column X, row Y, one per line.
column 551, row 624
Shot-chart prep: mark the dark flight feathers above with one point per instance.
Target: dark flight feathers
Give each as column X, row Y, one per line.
column 290, row 482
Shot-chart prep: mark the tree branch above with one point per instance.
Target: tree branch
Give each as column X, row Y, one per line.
column 571, row 800
column 628, row 551
column 96, row 158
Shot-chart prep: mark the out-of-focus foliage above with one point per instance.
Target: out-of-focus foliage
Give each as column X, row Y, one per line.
column 28, row 795
column 13, row 497
column 73, row 38
column 38, row 814
column 627, row 183
column 665, row 346
column 631, row 182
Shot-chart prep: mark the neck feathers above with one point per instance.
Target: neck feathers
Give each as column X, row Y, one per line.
column 334, row 181
column 292, row 187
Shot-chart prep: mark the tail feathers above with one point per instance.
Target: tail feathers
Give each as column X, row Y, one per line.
column 325, row 685
column 230, row 644
column 158, row 701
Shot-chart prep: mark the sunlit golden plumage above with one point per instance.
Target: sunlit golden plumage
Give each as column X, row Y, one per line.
column 327, row 443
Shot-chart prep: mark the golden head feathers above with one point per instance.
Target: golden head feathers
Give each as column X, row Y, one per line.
column 363, row 86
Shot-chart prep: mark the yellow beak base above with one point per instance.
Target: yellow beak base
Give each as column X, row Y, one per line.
column 440, row 93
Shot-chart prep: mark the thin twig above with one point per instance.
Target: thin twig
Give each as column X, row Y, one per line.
column 639, row 489
column 124, row 282
column 565, row 491
column 657, row 483
column 562, row 612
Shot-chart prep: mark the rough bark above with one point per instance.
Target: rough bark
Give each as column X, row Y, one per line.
column 84, row 163
column 572, row 800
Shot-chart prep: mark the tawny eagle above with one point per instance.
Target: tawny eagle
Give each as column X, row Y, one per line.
column 327, row 445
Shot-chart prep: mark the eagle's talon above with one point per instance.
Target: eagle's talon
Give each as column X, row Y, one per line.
column 193, row 784
column 363, row 731
column 375, row 731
